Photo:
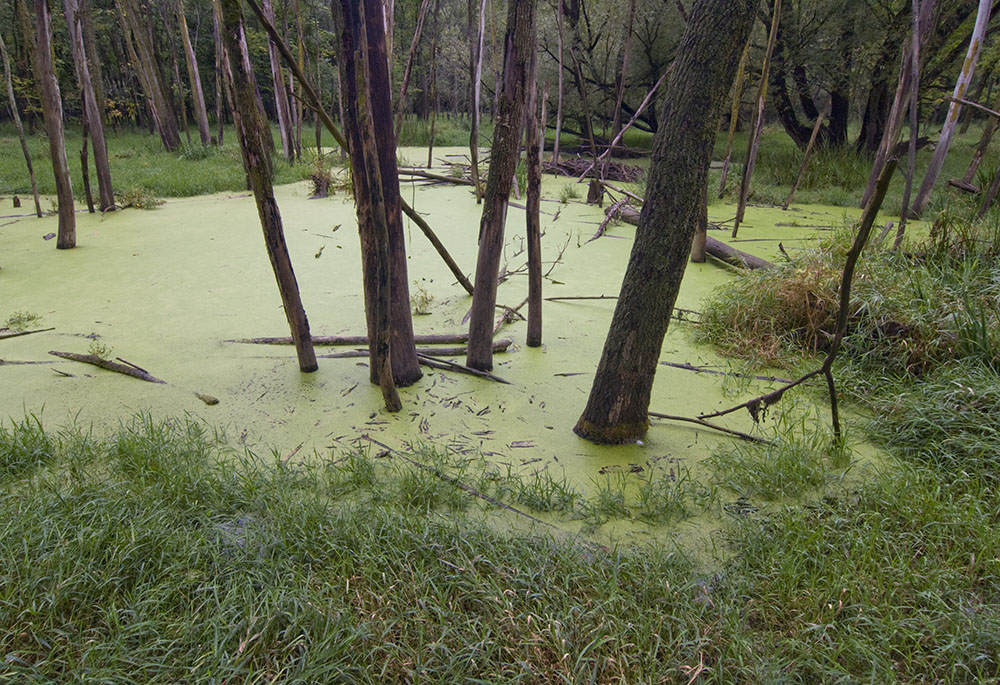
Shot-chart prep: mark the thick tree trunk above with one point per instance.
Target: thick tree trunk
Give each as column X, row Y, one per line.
column 518, row 45
column 533, row 227
column 16, row 116
column 92, row 111
column 52, row 106
column 194, row 77
column 964, row 78
column 364, row 78
column 708, row 53
column 249, row 129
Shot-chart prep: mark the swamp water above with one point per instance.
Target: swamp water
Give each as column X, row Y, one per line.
column 165, row 289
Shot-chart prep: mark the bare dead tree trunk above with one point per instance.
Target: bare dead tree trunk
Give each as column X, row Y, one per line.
column 401, row 101
column 734, row 117
column 911, row 157
column 519, row 44
column 91, row 110
column 955, row 109
column 616, row 122
column 351, row 18
column 533, row 227
column 93, row 58
column 805, row 156
column 220, row 77
column 757, row 127
column 476, row 68
column 16, row 116
column 890, row 133
column 194, row 77
column 179, row 84
column 249, row 129
column 85, row 162
column 618, row 405
column 143, row 59
column 280, row 94
column 559, row 97
column 52, row 107
column 435, row 104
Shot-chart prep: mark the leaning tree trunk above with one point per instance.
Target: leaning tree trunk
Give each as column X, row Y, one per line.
column 518, row 44
column 702, row 74
column 52, row 107
column 249, row 129
column 194, row 78
column 955, row 109
column 92, row 111
column 16, row 116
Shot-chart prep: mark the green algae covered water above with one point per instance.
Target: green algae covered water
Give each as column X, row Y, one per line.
column 165, row 290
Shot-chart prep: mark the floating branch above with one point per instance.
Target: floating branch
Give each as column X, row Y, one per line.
column 17, row 334
column 460, row 368
column 93, row 359
column 433, row 339
column 705, row 424
column 731, row 374
column 498, row 346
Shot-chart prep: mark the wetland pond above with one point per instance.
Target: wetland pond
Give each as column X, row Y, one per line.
column 166, row 289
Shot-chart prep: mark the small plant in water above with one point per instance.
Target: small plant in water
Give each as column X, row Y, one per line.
column 138, row 197
column 22, row 321
column 569, row 192
column 100, row 350
column 420, row 300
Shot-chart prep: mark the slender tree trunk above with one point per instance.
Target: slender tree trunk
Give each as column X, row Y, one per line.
column 890, row 133
column 194, row 77
column 300, row 34
column 911, row 157
column 93, row 57
column 16, row 116
column 476, row 67
column 559, row 97
column 984, row 142
column 955, row 109
column 351, row 17
column 617, row 409
column 757, row 127
column 734, row 117
column 220, row 77
column 280, row 93
column 249, row 128
column 52, row 107
column 401, row 102
column 91, row 111
column 85, row 162
column 805, row 157
column 616, row 122
column 175, row 63
column 533, row 227
column 518, row 46
column 433, row 89
column 143, row 59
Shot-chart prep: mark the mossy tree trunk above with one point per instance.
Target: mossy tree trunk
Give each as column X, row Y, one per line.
column 92, row 110
column 617, row 409
column 519, row 43
column 52, row 107
column 250, row 129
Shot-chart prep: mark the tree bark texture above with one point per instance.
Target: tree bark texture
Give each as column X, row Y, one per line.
column 249, row 127
column 955, row 109
column 476, row 70
column 702, row 75
column 16, row 116
column 280, row 93
column 518, row 45
column 92, row 110
column 194, row 78
column 52, row 107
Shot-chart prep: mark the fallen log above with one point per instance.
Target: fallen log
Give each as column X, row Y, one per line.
column 420, row 173
column 461, row 368
column 331, row 340
column 94, row 360
column 715, row 248
column 498, row 346
column 16, row 334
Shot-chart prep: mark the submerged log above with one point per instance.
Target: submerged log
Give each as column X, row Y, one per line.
column 716, row 248
column 128, row 370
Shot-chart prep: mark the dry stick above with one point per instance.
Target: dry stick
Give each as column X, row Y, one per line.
column 758, row 121
column 731, row 374
column 509, row 314
column 460, row 368
column 93, row 359
column 18, row 334
column 739, row 434
column 314, row 103
column 498, row 346
column 434, row 339
column 864, row 231
column 622, row 191
column 613, row 212
column 734, row 116
column 805, row 156
column 419, row 173
column 974, row 105
column 635, row 117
